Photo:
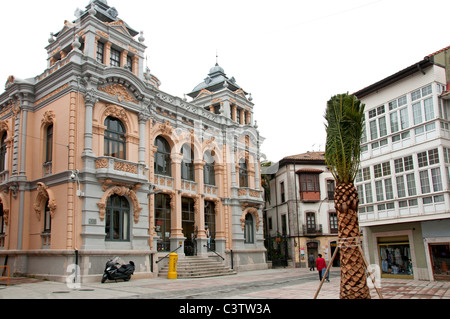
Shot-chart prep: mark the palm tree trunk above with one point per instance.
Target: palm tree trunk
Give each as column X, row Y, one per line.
column 353, row 274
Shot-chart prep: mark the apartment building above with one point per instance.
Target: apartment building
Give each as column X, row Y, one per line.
column 404, row 180
column 300, row 218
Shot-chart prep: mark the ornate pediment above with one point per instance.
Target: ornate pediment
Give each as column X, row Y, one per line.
column 119, row 25
column 118, row 91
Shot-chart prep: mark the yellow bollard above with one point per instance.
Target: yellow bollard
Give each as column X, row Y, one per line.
column 172, row 274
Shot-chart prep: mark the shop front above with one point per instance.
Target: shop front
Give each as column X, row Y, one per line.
column 440, row 260
column 395, row 257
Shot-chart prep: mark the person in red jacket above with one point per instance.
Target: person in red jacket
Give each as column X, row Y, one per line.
column 321, row 267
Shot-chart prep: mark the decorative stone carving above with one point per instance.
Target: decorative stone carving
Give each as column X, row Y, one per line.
column 48, row 118
column 254, row 212
column 125, row 167
column 119, row 91
column 44, row 194
column 116, row 111
column 121, row 191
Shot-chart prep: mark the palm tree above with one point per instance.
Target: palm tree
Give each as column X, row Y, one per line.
column 344, row 127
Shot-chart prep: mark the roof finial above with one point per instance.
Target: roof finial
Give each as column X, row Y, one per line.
column 217, row 58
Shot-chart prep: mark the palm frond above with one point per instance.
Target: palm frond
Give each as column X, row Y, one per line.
column 344, row 126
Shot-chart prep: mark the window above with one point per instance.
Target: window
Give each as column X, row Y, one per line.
column 163, row 162
column 333, row 223
column 114, row 138
column 49, row 144
column 115, row 58
column 401, row 192
column 389, row 189
column 366, row 173
column 3, row 152
column 209, row 174
column 411, row 183
column 379, row 191
column 249, row 236
column 383, row 169
column 404, row 120
column 162, row 221
column 100, row 51
column 403, row 164
column 394, row 122
column 310, row 222
column 368, row 191
column 238, row 115
column 47, row 219
column 309, row 183
column 117, row 226
column 429, row 109
column 129, row 65
column 243, row 173
column 330, row 189
column 283, row 199
column 424, row 182
column 188, row 223
column 436, row 179
column 428, row 158
column 187, row 163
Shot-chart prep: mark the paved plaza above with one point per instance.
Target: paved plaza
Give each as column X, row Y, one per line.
column 284, row 283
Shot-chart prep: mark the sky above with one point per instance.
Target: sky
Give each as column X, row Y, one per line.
column 291, row 55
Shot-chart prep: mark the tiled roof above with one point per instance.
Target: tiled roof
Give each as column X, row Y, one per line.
column 307, row 156
column 441, row 50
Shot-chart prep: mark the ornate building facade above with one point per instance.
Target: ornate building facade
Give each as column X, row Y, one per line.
column 96, row 161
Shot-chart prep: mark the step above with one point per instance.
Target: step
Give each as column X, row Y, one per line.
column 198, row 267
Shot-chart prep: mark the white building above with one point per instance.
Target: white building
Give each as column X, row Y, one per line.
column 300, row 218
column 404, row 183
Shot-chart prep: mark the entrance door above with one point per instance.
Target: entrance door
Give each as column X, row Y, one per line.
column 210, row 223
column 440, row 260
column 188, row 224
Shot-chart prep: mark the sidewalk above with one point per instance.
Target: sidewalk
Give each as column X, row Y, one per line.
column 288, row 283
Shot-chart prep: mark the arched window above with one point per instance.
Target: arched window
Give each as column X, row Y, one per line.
column 249, row 235
column 243, row 173
column 187, row 164
column 49, row 144
column 3, row 152
column 117, row 225
column 163, row 162
column 47, row 219
column 115, row 141
column 209, row 174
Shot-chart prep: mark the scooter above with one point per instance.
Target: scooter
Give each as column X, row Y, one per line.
column 114, row 270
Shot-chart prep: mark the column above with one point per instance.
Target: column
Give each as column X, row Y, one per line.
column 176, row 233
column 135, row 65
column 233, row 112
column 107, row 54
column 123, row 58
column 143, row 118
column 90, row 99
column 202, row 240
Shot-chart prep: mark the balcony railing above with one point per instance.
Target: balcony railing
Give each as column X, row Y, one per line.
column 312, row 231
column 120, row 170
column 249, row 193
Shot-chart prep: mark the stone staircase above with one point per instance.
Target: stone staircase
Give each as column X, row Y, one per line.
column 198, row 267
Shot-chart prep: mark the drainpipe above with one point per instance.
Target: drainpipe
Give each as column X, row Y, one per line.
column 76, row 264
